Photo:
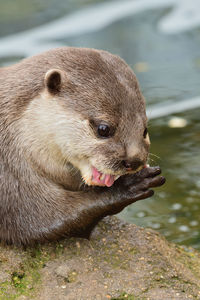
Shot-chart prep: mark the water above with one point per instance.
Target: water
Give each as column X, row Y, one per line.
column 160, row 39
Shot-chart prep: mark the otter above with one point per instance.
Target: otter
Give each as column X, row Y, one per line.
column 74, row 144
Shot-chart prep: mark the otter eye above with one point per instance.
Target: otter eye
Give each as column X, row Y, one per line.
column 145, row 133
column 104, row 131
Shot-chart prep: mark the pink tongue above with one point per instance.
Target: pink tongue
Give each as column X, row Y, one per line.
column 108, row 179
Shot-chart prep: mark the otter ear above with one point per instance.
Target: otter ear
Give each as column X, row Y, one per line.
column 53, row 80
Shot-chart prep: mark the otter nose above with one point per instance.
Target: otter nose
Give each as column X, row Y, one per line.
column 133, row 164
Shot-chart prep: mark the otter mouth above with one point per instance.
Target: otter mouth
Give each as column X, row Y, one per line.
column 97, row 178
column 102, row 179
column 108, row 180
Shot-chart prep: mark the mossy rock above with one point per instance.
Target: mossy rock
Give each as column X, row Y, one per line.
column 120, row 261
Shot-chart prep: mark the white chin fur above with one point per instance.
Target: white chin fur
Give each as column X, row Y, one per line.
column 85, row 169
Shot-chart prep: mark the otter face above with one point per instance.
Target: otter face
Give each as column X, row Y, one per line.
column 96, row 116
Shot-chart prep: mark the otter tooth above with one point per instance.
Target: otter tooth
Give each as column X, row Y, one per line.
column 102, row 176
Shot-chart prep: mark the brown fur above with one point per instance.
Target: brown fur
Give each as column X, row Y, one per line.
column 47, row 141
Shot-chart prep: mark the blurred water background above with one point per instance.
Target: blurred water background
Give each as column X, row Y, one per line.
column 160, row 40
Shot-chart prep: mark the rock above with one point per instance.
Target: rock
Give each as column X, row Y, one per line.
column 4, row 276
column 22, row 298
column 120, row 261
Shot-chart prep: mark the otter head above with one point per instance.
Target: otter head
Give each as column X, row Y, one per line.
column 98, row 119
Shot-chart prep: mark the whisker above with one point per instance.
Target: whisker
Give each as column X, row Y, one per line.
column 82, row 185
column 149, row 124
column 154, row 155
column 150, row 160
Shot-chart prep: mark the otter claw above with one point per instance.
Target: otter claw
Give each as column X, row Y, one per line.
column 149, row 172
column 145, row 175
column 155, row 181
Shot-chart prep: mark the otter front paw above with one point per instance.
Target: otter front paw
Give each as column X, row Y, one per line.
column 131, row 188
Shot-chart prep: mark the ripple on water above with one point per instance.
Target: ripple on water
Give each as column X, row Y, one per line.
column 194, row 223
column 141, row 214
column 176, row 206
column 172, row 220
column 184, row 228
